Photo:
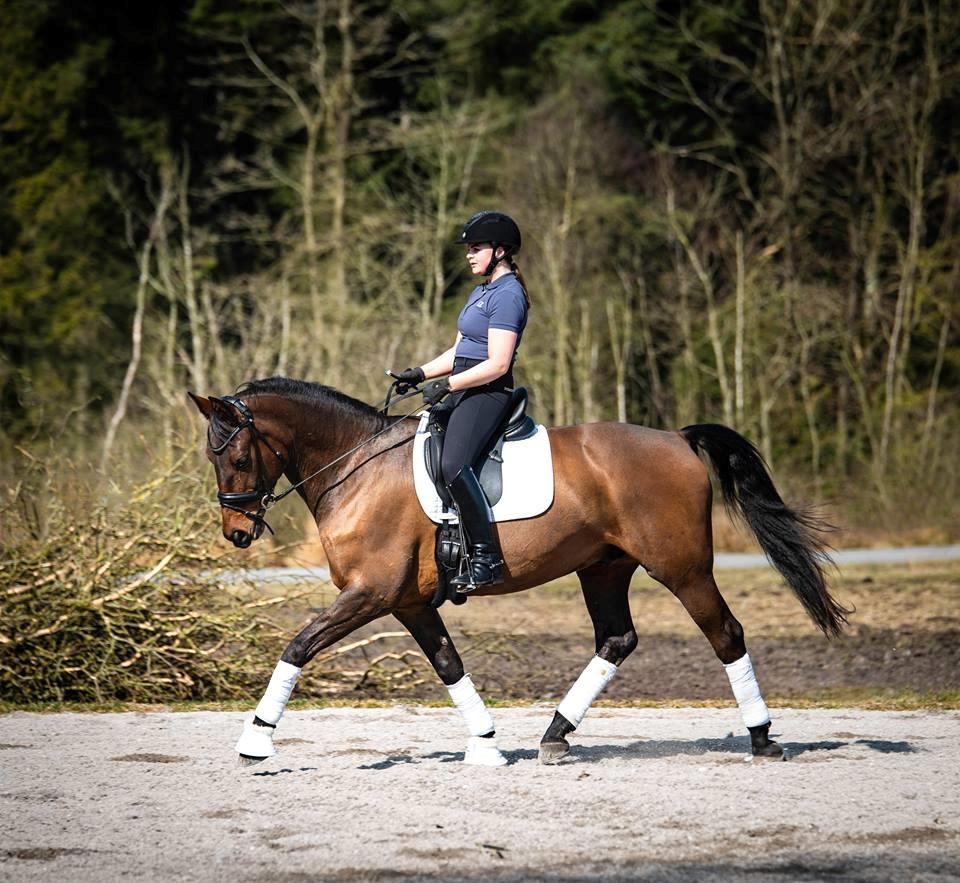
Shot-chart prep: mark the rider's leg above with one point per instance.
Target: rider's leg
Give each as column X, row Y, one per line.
column 472, row 424
column 605, row 586
column 486, row 561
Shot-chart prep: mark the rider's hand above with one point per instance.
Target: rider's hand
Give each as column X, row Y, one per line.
column 436, row 392
column 409, row 377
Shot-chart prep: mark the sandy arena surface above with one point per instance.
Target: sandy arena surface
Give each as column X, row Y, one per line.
column 369, row 794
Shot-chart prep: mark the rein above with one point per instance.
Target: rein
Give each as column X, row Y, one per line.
column 265, row 496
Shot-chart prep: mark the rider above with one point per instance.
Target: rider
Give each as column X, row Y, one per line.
column 480, row 365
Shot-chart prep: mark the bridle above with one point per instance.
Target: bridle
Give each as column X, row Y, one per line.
column 262, row 494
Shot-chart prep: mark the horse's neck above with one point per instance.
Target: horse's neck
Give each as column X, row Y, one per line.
column 320, row 437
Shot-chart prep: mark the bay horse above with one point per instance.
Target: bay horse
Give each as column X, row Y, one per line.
column 625, row 497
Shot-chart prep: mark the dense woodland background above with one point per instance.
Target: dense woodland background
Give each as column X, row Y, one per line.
column 741, row 212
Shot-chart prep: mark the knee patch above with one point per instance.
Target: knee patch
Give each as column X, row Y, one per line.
column 449, row 470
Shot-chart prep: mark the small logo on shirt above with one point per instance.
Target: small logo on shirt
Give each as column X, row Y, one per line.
column 479, row 304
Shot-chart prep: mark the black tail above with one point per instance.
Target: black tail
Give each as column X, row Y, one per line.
column 788, row 538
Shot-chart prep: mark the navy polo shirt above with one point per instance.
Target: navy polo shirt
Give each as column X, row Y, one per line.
column 500, row 304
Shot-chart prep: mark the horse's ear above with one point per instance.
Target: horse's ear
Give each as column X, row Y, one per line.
column 204, row 406
column 227, row 413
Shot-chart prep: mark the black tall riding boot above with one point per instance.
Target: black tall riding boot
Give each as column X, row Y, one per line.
column 485, row 567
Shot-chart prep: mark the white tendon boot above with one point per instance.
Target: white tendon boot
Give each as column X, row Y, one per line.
column 480, row 751
column 746, row 691
column 256, row 743
column 592, row 682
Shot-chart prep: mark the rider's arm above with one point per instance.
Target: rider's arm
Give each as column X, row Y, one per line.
column 500, row 346
column 442, row 364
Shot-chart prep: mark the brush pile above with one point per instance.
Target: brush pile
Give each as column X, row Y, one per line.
column 118, row 599
column 127, row 595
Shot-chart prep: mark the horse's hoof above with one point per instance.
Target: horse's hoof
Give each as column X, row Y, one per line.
column 771, row 751
column 247, row 760
column 553, row 752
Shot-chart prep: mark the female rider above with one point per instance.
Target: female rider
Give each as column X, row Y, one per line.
column 480, row 369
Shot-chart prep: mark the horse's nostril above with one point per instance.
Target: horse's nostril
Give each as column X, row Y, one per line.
column 240, row 538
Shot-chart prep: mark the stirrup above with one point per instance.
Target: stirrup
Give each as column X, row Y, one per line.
column 490, row 573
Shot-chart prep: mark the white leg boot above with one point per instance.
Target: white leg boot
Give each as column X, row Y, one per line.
column 256, row 742
column 482, row 748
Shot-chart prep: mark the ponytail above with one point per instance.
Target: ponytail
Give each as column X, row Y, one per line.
column 516, row 272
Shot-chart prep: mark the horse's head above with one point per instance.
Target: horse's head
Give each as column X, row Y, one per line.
column 248, row 463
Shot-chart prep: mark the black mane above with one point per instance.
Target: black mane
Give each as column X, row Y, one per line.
column 316, row 394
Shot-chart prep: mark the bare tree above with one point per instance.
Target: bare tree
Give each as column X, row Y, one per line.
column 144, row 257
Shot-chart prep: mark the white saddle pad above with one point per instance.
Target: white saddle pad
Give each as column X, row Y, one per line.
column 527, row 478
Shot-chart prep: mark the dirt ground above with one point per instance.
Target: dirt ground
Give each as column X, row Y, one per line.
column 380, row 794
column 649, row 794
column 902, row 643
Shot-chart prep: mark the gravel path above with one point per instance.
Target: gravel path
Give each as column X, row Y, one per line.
column 372, row 794
column 721, row 561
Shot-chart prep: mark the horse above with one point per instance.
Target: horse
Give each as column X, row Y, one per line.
column 625, row 496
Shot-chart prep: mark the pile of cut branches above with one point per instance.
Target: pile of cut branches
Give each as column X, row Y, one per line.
column 122, row 597
column 119, row 601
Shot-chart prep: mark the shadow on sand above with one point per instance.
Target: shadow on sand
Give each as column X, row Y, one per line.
column 848, row 865
column 655, row 749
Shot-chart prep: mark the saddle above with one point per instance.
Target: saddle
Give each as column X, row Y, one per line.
column 516, row 426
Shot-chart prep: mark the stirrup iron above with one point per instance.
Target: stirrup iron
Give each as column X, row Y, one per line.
column 483, row 568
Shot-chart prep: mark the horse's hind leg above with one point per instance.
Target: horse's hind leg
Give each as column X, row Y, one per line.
column 702, row 599
column 605, row 586
column 428, row 630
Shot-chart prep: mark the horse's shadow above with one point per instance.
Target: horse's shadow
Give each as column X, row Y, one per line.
column 655, row 749
column 393, row 760
column 286, row 771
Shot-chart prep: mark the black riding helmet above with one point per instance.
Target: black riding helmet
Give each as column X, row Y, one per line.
column 498, row 229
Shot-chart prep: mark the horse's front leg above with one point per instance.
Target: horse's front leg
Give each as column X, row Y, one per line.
column 428, row 630
column 353, row 607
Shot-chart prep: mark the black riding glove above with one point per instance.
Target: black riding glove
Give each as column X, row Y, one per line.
column 409, row 377
column 436, row 392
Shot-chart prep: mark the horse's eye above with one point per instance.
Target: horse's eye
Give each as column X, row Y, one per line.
column 242, row 463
